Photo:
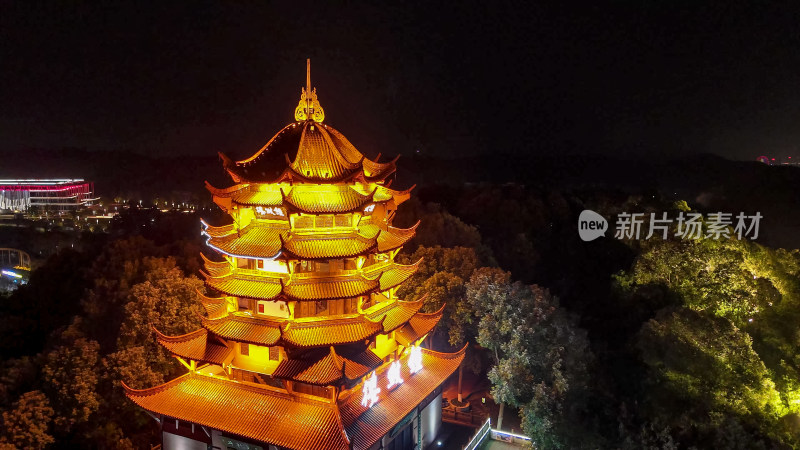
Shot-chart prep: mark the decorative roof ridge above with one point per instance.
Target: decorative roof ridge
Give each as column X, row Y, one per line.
column 319, row 279
column 393, row 238
column 408, row 230
column 253, row 224
column 216, row 310
column 380, row 167
column 245, row 277
column 342, row 187
column 351, row 319
column 382, row 322
column 228, row 164
column 438, row 312
column 338, row 415
column 347, row 189
column 155, row 389
column 206, row 299
column 228, row 190
column 213, row 263
column 412, row 303
column 289, row 254
column 384, row 308
column 337, row 154
column 384, row 267
column 337, row 360
column 357, row 176
column 399, row 267
column 217, row 231
column 371, row 194
column 403, row 192
column 336, row 234
column 328, row 150
column 244, row 319
column 397, row 303
column 181, row 338
column 338, row 135
column 260, row 151
column 224, row 381
column 445, row 355
column 401, row 312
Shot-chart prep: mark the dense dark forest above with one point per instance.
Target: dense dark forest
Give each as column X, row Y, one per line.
column 613, row 343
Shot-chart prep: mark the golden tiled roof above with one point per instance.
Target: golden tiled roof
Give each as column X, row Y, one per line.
column 324, row 246
column 418, row 326
column 228, row 191
column 252, row 330
column 378, row 277
column 250, row 194
column 260, row 240
column 366, row 425
column 251, row 286
column 225, row 230
column 376, row 170
column 315, row 199
column 318, row 158
column 259, row 198
column 329, row 288
column 317, row 152
column 216, row 307
column 397, row 274
column 383, row 194
column 396, row 313
column 335, row 331
column 254, row 412
column 255, row 240
column 309, row 198
column 347, row 150
column 216, row 310
column 195, row 345
column 215, row 268
column 328, row 366
column 206, row 300
column 393, row 238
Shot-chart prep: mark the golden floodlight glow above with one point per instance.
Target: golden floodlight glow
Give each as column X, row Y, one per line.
column 303, row 329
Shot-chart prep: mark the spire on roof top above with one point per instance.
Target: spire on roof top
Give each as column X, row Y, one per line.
column 309, row 107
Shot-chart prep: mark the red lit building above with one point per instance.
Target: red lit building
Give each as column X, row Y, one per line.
column 44, row 194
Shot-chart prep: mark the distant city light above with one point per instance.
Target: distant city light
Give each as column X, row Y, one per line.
column 12, row 274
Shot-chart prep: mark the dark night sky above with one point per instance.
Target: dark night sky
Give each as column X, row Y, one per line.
column 445, row 78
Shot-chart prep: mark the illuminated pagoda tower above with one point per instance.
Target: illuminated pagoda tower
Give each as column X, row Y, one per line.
column 306, row 345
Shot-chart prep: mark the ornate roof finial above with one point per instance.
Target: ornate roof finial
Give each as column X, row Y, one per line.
column 309, row 107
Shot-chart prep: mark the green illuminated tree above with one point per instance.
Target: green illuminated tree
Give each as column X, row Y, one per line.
column 702, row 374
column 730, row 278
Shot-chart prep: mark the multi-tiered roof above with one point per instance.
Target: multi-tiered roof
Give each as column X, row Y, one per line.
column 304, row 308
